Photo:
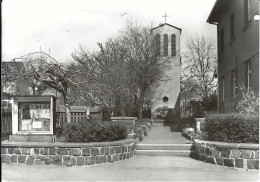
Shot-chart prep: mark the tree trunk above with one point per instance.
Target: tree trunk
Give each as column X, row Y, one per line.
column 67, row 110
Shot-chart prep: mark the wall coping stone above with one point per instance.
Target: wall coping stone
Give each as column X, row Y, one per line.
column 123, row 118
column 67, row 144
column 228, row 145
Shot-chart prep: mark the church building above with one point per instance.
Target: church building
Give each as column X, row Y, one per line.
column 167, row 93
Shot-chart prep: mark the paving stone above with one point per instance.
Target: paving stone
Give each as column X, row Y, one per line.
column 129, row 148
column 253, row 163
column 112, row 150
column 95, row 151
column 86, row 151
column 73, row 160
column 215, row 153
column 80, row 161
column 202, row 157
column 202, row 149
column 14, row 158
column 235, row 154
column 245, row 154
column 30, row 160
column 105, row 159
column 124, row 156
column 132, row 153
column 48, row 161
column 22, row 158
column 208, row 151
column 123, row 148
column 4, row 151
column 10, row 150
column 52, row 151
column 90, row 160
column 115, row 157
column 109, row 158
column 211, row 159
column 229, row 162
column 38, row 162
column 120, row 157
column 44, row 151
column 37, row 150
column 57, row 160
column 6, row 159
column 225, row 153
column 66, row 160
column 75, row 151
column 25, row 151
column 220, row 161
column 257, row 154
column 133, row 147
column 128, row 155
column 239, row 163
column 17, row 151
column 104, row 150
column 99, row 159
column 63, row 151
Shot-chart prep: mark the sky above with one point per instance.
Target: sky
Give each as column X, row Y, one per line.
column 60, row 26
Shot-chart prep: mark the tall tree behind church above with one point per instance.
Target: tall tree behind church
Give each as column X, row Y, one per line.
column 199, row 66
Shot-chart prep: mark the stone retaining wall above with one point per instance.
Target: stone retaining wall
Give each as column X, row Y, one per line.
column 240, row 155
column 69, row 154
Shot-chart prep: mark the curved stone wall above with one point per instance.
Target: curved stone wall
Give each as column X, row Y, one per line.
column 240, row 155
column 69, row 154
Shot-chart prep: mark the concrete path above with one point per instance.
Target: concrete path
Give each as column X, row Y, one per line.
column 138, row 168
column 161, row 134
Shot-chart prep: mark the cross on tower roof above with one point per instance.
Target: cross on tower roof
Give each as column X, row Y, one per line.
column 165, row 16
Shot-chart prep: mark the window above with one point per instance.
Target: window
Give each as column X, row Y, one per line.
column 173, row 45
column 246, row 11
column 234, row 84
column 165, row 44
column 232, row 28
column 222, row 89
column 158, row 42
column 165, row 99
column 248, row 75
column 34, row 116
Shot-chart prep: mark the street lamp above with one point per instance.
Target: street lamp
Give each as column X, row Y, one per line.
column 256, row 17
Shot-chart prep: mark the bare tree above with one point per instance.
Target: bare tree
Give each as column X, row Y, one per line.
column 44, row 69
column 124, row 68
column 200, row 64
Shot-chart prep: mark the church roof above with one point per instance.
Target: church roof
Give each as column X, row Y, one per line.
column 168, row 25
column 217, row 11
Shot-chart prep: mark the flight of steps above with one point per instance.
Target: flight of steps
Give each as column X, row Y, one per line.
column 164, row 149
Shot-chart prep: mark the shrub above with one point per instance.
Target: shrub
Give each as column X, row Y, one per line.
column 161, row 112
column 249, row 104
column 209, row 103
column 146, row 122
column 94, row 131
column 196, row 108
column 232, row 127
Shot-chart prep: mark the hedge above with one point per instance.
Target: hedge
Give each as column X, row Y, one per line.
column 232, row 127
column 94, row 131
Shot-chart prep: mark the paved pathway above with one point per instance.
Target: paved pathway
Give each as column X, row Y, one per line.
column 161, row 134
column 138, row 168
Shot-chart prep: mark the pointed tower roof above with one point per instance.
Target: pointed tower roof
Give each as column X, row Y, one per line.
column 163, row 24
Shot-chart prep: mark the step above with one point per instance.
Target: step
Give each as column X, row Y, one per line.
column 142, row 146
column 164, row 152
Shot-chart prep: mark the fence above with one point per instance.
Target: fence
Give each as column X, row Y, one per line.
column 6, row 124
column 76, row 117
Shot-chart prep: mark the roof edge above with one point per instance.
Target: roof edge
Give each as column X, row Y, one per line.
column 168, row 25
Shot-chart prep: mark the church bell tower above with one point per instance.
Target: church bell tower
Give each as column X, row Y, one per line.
column 167, row 92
